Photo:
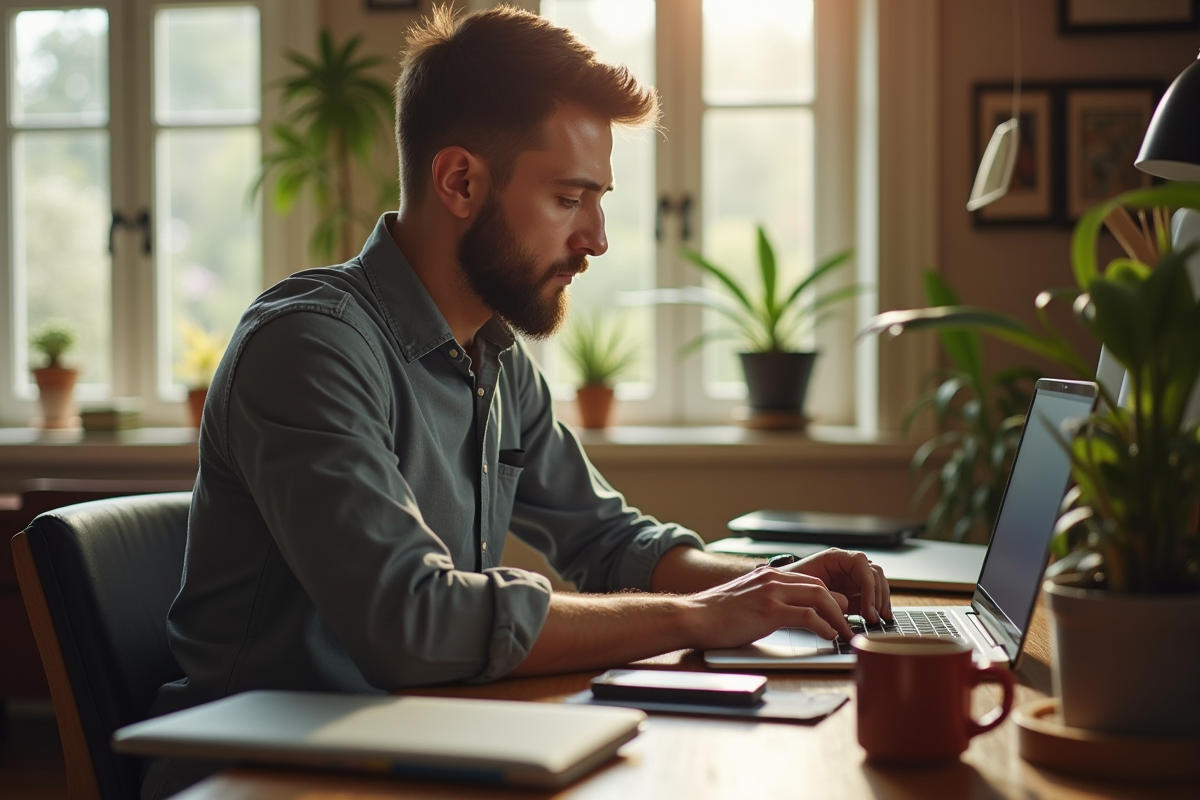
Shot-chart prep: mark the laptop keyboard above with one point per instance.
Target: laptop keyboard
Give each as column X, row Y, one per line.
column 910, row 622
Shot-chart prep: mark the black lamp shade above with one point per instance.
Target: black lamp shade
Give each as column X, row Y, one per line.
column 1171, row 148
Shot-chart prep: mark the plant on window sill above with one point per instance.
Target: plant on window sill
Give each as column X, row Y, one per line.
column 56, row 383
column 769, row 324
column 598, row 350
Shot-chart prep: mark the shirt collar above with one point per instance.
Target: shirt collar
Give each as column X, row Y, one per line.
column 414, row 318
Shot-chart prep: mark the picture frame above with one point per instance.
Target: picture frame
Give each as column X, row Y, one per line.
column 1103, row 128
column 1031, row 197
column 394, row 5
column 1127, row 16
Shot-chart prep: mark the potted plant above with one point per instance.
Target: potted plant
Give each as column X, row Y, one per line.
column 56, row 383
column 769, row 324
column 599, row 352
column 202, row 353
column 338, row 113
column 1129, row 539
column 964, row 466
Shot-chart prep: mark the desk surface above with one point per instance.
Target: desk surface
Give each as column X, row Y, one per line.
column 697, row 759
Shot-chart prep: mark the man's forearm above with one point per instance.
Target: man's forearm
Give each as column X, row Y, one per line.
column 684, row 570
column 596, row 631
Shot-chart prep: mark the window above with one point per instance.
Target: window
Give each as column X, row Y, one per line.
column 133, row 132
column 757, row 119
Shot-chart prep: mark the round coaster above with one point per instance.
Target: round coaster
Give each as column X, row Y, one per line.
column 1044, row 740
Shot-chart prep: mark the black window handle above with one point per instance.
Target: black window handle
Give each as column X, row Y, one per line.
column 142, row 220
column 683, row 208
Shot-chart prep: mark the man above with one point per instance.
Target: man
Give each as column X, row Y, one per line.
column 375, row 429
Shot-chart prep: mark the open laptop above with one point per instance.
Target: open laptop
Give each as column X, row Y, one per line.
column 490, row 741
column 996, row 621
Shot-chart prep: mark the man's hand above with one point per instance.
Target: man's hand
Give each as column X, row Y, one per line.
column 853, row 575
column 760, row 602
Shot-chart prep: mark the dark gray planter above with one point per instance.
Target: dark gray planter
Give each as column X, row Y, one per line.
column 777, row 381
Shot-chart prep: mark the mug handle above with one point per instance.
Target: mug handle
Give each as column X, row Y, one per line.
column 1001, row 675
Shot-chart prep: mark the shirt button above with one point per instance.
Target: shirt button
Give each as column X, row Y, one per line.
column 485, row 469
column 479, row 391
column 453, row 353
column 484, row 547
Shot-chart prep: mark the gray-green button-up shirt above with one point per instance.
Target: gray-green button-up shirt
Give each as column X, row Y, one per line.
column 358, row 474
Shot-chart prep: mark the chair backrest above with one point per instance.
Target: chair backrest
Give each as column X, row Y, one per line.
column 97, row 580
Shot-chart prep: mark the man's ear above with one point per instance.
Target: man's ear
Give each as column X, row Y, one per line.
column 460, row 180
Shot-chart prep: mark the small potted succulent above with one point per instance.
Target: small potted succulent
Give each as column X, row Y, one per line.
column 769, row 323
column 55, row 382
column 202, row 353
column 599, row 352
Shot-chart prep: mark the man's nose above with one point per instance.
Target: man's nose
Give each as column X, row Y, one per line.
column 590, row 238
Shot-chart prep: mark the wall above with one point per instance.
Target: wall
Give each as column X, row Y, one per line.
column 1005, row 267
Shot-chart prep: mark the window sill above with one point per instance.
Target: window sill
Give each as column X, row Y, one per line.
column 731, row 444
column 631, row 444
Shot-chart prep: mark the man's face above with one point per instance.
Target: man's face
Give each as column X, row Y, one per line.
column 531, row 239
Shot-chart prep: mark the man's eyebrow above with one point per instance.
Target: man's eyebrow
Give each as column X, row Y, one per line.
column 584, row 183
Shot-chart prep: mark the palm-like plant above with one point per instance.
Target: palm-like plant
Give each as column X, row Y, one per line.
column 338, row 111
column 979, row 419
column 765, row 319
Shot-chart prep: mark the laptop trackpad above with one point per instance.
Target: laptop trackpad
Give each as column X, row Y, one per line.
column 785, row 643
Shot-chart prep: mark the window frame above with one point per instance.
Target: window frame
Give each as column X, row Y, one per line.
column 680, row 395
column 284, row 24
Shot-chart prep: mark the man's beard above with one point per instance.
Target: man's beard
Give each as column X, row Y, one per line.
column 504, row 275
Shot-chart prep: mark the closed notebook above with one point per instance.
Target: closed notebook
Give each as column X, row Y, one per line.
column 492, row 741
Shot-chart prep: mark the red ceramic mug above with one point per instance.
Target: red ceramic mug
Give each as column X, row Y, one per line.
column 914, row 697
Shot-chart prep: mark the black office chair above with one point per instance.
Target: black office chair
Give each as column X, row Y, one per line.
column 97, row 580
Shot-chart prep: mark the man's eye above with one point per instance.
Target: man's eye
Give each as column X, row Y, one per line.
column 569, row 202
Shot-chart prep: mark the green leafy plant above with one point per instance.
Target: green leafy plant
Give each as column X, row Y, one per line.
column 338, row 112
column 764, row 318
column 53, row 340
column 1131, row 523
column 979, row 417
column 598, row 349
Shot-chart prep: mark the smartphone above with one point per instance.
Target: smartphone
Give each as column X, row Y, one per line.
column 667, row 686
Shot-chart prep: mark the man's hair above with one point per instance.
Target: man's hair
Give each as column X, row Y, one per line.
column 489, row 80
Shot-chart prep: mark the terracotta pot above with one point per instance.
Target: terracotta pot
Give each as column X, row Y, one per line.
column 56, row 394
column 195, row 399
column 1125, row 664
column 595, row 403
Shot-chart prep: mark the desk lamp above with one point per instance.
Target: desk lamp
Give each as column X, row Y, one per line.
column 1171, row 150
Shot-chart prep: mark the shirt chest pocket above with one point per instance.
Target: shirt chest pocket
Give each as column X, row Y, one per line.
column 500, row 514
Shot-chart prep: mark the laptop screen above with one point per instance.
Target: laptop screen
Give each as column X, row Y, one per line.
column 1016, row 557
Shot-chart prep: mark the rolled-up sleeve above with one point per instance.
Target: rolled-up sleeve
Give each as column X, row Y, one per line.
column 310, row 430
column 566, row 509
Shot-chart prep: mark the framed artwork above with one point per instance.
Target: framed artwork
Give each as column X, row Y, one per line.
column 1127, row 16
column 409, row 5
column 1104, row 129
column 1031, row 195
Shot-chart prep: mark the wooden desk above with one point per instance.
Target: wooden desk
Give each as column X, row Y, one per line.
column 697, row 759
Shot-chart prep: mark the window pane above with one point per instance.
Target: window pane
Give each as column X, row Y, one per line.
column 207, row 65
column 622, row 32
column 757, row 169
column 758, row 51
column 61, row 214
column 61, row 69
column 209, row 241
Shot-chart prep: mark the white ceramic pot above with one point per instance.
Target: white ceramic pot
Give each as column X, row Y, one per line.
column 1125, row 664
